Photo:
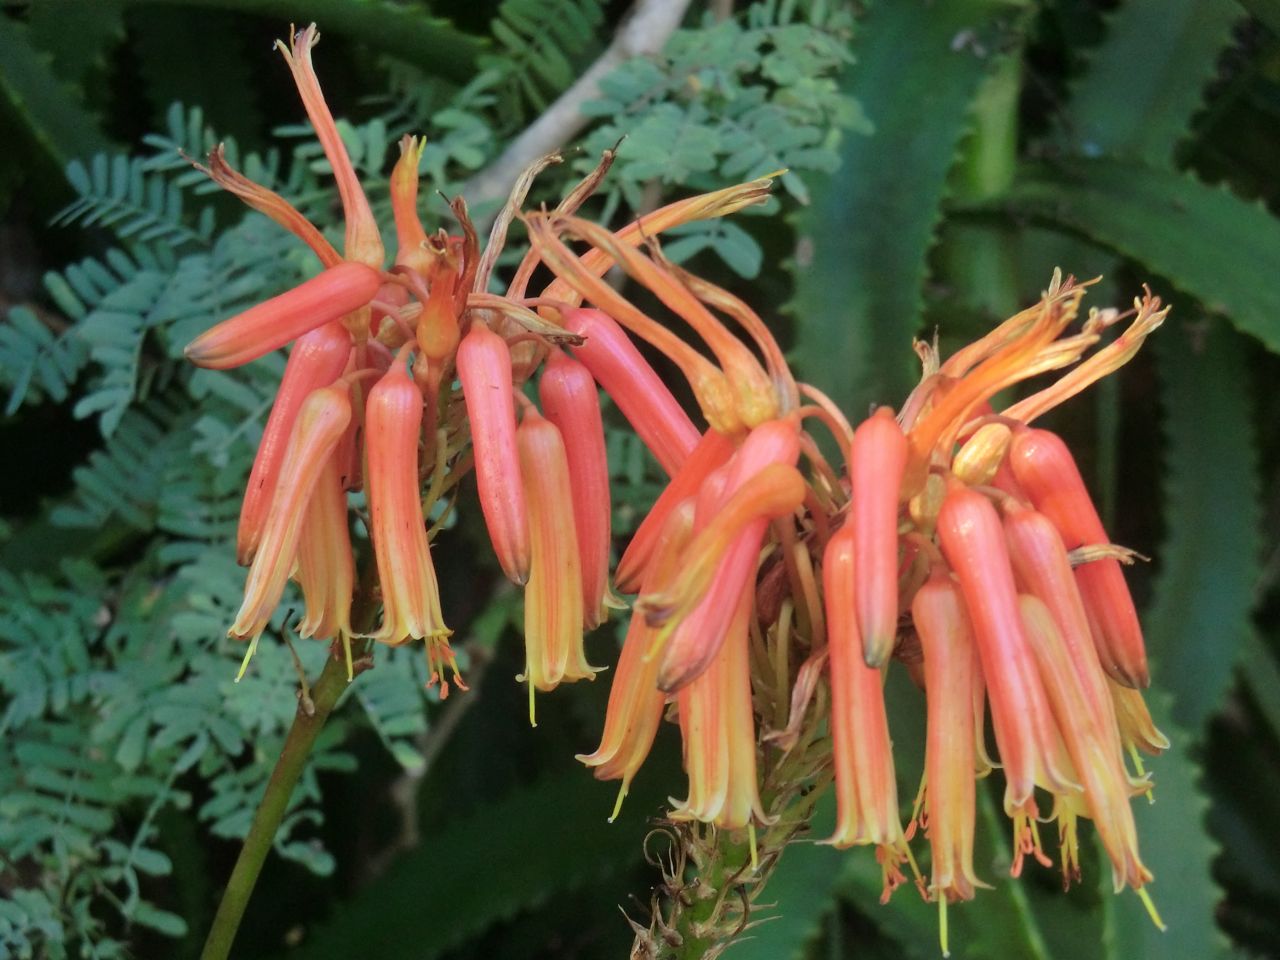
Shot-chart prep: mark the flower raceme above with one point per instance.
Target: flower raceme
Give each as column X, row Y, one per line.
column 775, row 589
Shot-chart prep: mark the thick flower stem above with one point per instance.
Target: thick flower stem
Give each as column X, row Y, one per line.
column 307, row 725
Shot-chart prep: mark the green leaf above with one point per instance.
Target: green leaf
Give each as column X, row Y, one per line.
column 1199, row 621
column 1268, row 11
column 1206, row 241
column 170, row 924
column 1177, row 848
column 805, row 886
column 401, row 30
column 50, row 113
column 869, row 227
column 1162, row 54
column 488, row 865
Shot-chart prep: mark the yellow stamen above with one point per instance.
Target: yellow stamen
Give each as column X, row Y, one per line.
column 244, row 664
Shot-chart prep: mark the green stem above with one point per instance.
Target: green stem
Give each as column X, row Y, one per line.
column 403, row 32
column 266, row 821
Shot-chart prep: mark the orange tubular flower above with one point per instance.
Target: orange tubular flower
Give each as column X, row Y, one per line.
column 877, row 459
column 1092, row 745
column 950, row 756
column 712, row 452
column 326, row 568
column 571, row 401
column 866, row 788
column 270, row 325
column 718, row 727
column 553, row 597
column 410, row 593
column 695, row 639
column 631, row 383
column 1042, row 569
column 484, row 367
column 316, row 361
column 972, row 540
column 1046, row 470
column 774, row 492
column 635, row 702
column 321, row 422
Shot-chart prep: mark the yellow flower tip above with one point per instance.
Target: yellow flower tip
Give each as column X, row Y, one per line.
column 622, row 795
column 248, row 655
column 1152, row 912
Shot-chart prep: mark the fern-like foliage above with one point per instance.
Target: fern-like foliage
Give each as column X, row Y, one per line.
column 542, row 44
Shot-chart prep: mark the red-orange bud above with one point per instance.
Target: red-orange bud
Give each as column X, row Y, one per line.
column 316, row 361
column 268, row 326
column 484, row 367
column 1048, row 473
column 877, row 459
column 972, row 540
column 320, row 424
column 712, row 451
column 866, row 788
column 571, row 401
column 639, row 393
column 410, row 593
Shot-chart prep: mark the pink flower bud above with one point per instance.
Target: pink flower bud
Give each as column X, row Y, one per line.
column 712, row 451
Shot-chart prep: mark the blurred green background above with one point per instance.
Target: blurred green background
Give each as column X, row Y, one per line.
column 943, row 158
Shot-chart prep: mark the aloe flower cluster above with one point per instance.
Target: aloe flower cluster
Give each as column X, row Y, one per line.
column 773, row 588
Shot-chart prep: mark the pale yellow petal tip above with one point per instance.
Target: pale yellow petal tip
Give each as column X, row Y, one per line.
column 617, row 805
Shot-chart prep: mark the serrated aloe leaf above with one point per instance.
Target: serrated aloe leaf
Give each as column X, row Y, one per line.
column 1209, row 563
column 1179, row 851
column 1161, row 54
column 1208, row 242
column 489, row 864
column 866, row 233
column 55, row 116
